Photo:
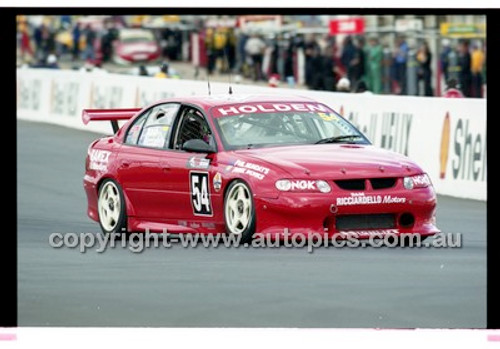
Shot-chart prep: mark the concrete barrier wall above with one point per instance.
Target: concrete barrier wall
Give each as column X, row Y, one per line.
column 447, row 137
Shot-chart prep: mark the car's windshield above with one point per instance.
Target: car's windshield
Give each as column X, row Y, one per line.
column 286, row 128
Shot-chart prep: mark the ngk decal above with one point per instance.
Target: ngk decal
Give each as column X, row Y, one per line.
column 303, row 185
column 269, row 108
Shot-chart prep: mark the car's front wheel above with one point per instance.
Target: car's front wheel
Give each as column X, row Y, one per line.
column 111, row 207
column 239, row 210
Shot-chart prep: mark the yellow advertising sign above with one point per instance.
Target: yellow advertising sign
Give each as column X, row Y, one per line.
column 463, row 31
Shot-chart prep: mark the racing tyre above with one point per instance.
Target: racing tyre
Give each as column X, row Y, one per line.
column 111, row 208
column 239, row 211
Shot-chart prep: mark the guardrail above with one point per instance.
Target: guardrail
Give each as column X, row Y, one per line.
column 447, row 137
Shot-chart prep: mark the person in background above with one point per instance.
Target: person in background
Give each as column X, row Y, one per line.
column 400, row 59
column 322, row 78
column 26, row 51
column 444, row 58
column 90, row 35
column 424, row 67
column 311, row 48
column 143, row 71
column 254, row 47
column 347, row 56
column 374, row 58
column 344, row 85
column 465, row 74
column 452, row 90
column 477, row 62
column 361, row 87
column 76, row 33
column 163, row 73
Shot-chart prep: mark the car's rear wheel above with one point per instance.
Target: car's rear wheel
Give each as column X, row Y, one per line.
column 239, row 210
column 111, row 207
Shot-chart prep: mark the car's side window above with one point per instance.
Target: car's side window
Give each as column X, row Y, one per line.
column 153, row 129
column 135, row 130
column 193, row 125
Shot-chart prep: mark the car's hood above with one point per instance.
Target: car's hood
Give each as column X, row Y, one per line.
column 335, row 161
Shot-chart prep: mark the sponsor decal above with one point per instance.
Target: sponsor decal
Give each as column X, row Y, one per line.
column 303, row 185
column 445, row 146
column 200, row 193
column 196, row 162
column 269, row 108
column 208, row 225
column 328, row 116
column 253, row 170
column 468, row 154
column 362, row 199
column 105, row 96
column 30, row 94
column 64, row 97
column 217, row 181
column 182, row 223
column 99, row 160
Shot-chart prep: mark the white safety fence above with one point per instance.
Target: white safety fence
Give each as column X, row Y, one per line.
column 446, row 137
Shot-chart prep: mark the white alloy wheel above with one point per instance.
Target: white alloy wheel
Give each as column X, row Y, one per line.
column 109, row 206
column 238, row 209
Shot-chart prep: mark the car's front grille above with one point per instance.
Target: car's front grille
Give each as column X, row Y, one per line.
column 360, row 184
column 365, row 221
column 382, row 183
column 351, row 184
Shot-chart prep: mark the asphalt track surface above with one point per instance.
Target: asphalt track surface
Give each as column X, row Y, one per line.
column 227, row 287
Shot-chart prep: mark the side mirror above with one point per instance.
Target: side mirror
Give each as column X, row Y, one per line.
column 197, row 146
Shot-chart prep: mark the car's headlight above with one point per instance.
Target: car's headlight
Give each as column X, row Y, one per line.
column 417, row 181
column 303, row 185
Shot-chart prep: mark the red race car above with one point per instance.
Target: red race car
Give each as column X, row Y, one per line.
column 250, row 165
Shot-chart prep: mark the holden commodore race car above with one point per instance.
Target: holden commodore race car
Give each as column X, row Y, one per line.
column 249, row 166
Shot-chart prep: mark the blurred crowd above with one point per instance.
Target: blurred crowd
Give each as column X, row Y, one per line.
column 356, row 64
column 319, row 61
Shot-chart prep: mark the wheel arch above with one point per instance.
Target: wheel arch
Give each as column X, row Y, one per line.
column 130, row 211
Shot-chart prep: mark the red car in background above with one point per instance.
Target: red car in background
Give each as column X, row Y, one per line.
column 250, row 165
column 135, row 45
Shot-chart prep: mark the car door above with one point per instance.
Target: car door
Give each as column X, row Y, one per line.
column 191, row 173
column 144, row 166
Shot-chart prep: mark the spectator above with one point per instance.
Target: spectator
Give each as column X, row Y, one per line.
column 311, row 48
column 26, row 50
column 361, row 87
column 453, row 66
column 322, row 77
column 424, row 67
column 465, row 74
column 90, row 36
column 374, row 58
column 254, row 47
column 143, row 71
column 347, row 56
column 400, row 59
column 452, row 90
column 163, row 73
column 76, row 34
column 477, row 62
column 444, row 58
column 353, row 60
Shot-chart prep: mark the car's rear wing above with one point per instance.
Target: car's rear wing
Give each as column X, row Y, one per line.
column 112, row 115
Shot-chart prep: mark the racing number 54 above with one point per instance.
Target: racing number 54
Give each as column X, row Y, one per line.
column 200, row 195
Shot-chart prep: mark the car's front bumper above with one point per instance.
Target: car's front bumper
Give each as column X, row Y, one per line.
column 296, row 213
